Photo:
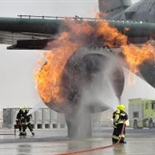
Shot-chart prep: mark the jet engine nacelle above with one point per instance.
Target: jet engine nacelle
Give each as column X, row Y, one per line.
column 90, row 75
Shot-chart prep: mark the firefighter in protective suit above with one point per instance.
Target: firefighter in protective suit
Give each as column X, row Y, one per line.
column 19, row 119
column 119, row 119
column 27, row 122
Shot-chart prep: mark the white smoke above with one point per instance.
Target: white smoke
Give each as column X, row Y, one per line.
column 98, row 93
column 36, row 107
column 100, row 90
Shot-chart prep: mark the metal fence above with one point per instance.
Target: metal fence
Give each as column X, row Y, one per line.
column 43, row 118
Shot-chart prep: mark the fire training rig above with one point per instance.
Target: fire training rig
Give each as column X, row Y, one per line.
column 33, row 32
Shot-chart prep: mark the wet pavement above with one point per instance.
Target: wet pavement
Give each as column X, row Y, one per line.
column 50, row 142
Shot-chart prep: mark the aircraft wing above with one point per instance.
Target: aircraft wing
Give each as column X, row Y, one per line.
column 24, row 40
column 28, row 33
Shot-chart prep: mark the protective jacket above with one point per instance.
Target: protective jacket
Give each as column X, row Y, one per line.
column 19, row 120
column 20, row 115
column 119, row 118
column 27, row 122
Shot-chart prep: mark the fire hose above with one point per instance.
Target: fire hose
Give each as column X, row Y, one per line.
column 97, row 148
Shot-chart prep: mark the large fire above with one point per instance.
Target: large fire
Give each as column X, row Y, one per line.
column 49, row 78
column 83, row 34
column 136, row 55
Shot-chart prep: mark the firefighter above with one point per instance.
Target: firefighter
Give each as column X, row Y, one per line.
column 27, row 122
column 119, row 119
column 19, row 120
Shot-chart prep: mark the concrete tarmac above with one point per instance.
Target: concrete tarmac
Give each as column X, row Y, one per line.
column 55, row 142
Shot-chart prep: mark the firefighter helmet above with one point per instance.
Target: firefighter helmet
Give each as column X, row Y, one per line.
column 121, row 107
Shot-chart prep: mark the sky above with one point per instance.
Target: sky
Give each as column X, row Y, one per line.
column 17, row 85
column 84, row 8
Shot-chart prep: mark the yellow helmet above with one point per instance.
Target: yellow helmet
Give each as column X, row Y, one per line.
column 121, row 107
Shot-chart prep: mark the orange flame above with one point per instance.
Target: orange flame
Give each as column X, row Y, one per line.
column 111, row 36
column 49, row 77
column 136, row 55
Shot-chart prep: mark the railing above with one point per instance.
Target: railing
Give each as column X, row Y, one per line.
column 58, row 18
column 81, row 19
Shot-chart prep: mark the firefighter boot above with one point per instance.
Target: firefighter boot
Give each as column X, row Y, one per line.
column 114, row 141
column 32, row 133
column 122, row 141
